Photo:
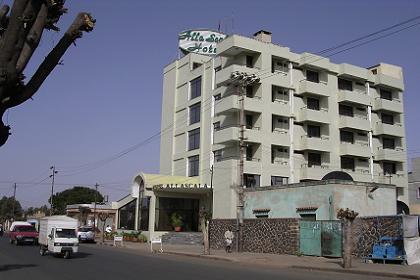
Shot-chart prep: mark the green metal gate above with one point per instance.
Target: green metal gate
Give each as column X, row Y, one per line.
column 310, row 238
column 321, row 238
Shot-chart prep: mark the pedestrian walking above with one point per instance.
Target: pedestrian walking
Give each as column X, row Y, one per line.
column 229, row 240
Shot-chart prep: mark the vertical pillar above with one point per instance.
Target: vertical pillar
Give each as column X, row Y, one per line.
column 152, row 215
column 370, row 134
column 291, row 126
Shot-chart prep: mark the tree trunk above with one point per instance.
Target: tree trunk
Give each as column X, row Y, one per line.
column 205, row 230
column 347, row 244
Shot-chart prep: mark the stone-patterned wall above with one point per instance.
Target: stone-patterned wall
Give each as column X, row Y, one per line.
column 367, row 231
column 277, row 236
column 281, row 236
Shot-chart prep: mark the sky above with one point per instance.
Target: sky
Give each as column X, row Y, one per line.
column 106, row 97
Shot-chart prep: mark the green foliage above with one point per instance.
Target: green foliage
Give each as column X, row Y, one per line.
column 6, row 207
column 176, row 220
column 76, row 195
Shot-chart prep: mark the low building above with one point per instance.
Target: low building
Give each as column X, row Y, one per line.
column 320, row 200
column 155, row 198
column 414, row 187
column 86, row 214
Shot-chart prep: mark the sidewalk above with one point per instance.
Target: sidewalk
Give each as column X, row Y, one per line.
column 286, row 261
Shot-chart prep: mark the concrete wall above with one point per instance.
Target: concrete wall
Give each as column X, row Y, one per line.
column 414, row 186
column 325, row 197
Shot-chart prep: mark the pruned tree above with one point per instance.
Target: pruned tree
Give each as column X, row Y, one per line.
column 21, row 29
column 347, row 216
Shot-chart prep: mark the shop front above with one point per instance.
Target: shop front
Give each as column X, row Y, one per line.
column 169, row 203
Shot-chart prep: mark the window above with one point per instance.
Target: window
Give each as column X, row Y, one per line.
column 218, row 155
column 195, row 113
column 278, row 180
column 194, row 139
column 345, row 84
column 346, row 136
column 387, row 118
column 385, row 94
column 314, row 131
column 388, row 143
column 249, row 121
column 195, row 88
column 345, row 110
column 193, row 166
column 347, row 163
column 251, row 180
column 249, row 61
column 196, row 65
column 314, row 159
column 418, row 193
column 216, row 126
column 312, row 103
column 249, row 152
column 249, row 91
column 389, row 167
column 312, row 76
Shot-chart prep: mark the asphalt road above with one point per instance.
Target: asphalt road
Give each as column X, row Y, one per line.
column 97, row 262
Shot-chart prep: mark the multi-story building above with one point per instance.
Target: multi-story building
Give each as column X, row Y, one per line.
column 304, row 118
column 414, row 186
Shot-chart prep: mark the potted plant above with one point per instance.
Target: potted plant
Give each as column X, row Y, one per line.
column 176, row 221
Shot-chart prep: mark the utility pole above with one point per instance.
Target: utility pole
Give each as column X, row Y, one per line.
column 94, row 207
column 14, row 202
column 241, row 79
column 53, row 172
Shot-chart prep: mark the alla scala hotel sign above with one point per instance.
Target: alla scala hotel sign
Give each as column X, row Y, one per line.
column 200, row 41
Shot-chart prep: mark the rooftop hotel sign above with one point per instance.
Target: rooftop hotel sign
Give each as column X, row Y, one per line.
column 200, row 41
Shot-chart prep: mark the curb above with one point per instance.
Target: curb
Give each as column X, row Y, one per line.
column 213, row 257
column 359, row 272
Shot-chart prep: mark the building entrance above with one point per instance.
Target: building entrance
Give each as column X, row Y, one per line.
column 186, row 208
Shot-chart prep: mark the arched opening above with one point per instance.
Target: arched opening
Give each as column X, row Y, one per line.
column 402, row 208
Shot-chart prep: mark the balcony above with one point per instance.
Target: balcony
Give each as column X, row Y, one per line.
column 395, row 129
column 253, row 166
column 356, row 97
column 353, row 72
column 231, row 104
column 223, row 76
column 357, row 122
column 253, row 134
column 359, row 174
column 315, row 172
column 385, row 80
column 227, row 134
column 316, row 144
column 358, row 149
column 306, row 114
column 280, row 137
column 388, row 105
column 399, row 179
column 397, row 154
column 320, row 89
column 281, row 108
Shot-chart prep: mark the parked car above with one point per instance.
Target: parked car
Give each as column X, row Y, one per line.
column 23, row 232
column 86, row 233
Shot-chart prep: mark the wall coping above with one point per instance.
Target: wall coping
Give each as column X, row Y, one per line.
column 320, row 183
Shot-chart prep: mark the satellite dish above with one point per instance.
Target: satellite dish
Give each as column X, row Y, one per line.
column 338, row 175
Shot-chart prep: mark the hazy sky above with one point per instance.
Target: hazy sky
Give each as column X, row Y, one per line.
column 107, row 95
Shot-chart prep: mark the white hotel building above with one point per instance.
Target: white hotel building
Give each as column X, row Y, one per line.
column 305, row 118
